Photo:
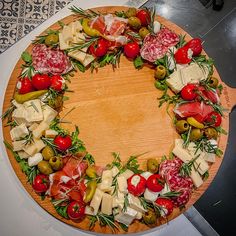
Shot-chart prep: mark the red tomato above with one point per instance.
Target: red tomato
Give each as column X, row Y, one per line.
column 183, row 55
column 24, row 86
column 131, row 49
column 40, row 183
column 99, row 48
column 76, row 210
column 155, row 183
column 144, row 17
column 57, row 83
column 165, row 203
column 136, row 184
column 63, row 142
column 195, row 45
column 188, row 92
column 41, row 82
column 214, row 118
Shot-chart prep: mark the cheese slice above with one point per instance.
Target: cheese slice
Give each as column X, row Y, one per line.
column 23, row 155
column 63, row 45
column 106, row 180
column 122, row 184
column 135, row 203
column 38, row 132
column 78, row 55
column 196, row 178
column 126, row 217
column 18, row 145
column 96, row 200
column 19, row 132
column 210, row 157
column 33, row 126
column 88, row 59
column 34, row 111
column 115, row 171
column 19, row 116
column 49, row 114
column 36, row 146
column 51, row 133
column 128, row 173
column 106, row 207
column 35, row 159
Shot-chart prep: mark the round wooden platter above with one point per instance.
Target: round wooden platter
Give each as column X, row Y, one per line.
column 117, row 111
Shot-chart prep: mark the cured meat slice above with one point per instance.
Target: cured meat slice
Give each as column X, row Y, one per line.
column 168, row 37
column 98, row 23
column 183, row 198
column 46, row 60
column 209, row 94
column 199, row 110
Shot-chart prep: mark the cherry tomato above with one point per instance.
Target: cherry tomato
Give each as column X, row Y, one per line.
column 99, row 48
column 144, row 17
column 41, row 82
column 183, row 55
column 188, row 92
column 155, row 183
column 63, row 142
column 166, row 204
column 131, row 50
column 136, row 184
column 195, row 45
column 24, row 86
column 76, row 210
column 57, row 83
column 214, row 118
column 40, row 183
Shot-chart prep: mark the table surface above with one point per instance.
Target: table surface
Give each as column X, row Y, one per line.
column 218, row 31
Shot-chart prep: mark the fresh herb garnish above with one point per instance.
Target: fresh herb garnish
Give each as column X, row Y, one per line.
column 78, row 65
column 186, row 168
column 7, row 114
column 41, row 38
column 126, row 203
column 82, row 13
column 77, row 145
column 182, row 41
column 120, row 14
column 88, row 157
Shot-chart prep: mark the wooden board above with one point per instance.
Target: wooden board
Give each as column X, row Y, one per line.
column 117, row 111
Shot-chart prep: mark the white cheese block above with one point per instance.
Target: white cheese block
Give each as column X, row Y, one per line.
column 156, row 26
column 35, row 159
column 78, row 55
column 18, row 145
column 88, row 59
column 19, row 116
column 23, row 155
column 106, row 180
column 16, row 104
column 76, row 27
column 210, row 157
column 50, row 133
column 146, row 174
column 89, row 211
column 118, row 200
column 106, row 207
column 96, row 200
column 150, row 195
column 115, row 171
column 126, row 217
column 49, row 114
column 38, row 132
column 33, row 126
column 34, row 111
column 63, row 45
column 135, row 203
column 67, row 34
column 36, row 146
column 128, row 173
column 139, row 216
column 196, row 178
column 122, row 184
column 78, row 38
column 19, row 132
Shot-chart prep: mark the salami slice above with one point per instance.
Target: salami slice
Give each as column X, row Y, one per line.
column 46, row 60
column 168, row 37
column 183, row 198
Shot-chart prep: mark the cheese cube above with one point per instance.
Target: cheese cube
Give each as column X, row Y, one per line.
column 126, row 217
column 210, row 157
column 18, row 145
column 76, row 27
column 49, row 114
column 33, row 126
column 139, row 216
column 36, row 146
column 106, row 207
column 146, row 174
column 106, row 180
column 50, row 133
column 150, row 195
column 78, row 55
column 135, row 203
column 196, row 178
column 118, row 200
column 35, row 159
column 62, row 43
column 89, row 211
column 96, row 200
column 115, row 171
column 128, row 173
column 38, row 132
column 23, row 155
column 122, row 184
column 88, row 59
column 19, row 116
column 175, row 81
column 34, row 111
column 19, row 132
column 67, row 34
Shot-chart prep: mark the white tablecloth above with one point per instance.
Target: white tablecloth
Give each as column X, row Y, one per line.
column 19, row 213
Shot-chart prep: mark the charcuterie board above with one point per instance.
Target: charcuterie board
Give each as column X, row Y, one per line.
column 117, row 111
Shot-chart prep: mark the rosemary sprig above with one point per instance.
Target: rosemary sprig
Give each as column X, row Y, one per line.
column 41, row 38
column 186, row 137
column 170, row 194
column 28, row 139
column 152, row 12
column 126, row 203
column 7, row 114
column 27, row 68
column 186, row 168
column 135, row 36
column 120, row 14
column 182, row 41
column 82, row 13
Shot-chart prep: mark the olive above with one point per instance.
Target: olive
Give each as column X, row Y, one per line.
column 195, row 134
column 150, row 218
column 91, row 172
column 152, row 165
column 134, row 22
column 143, row 32
column 211, row 133
column 159, row 85
column 47, row 153
column 56, row 102
column 131, row 12
column 51, row 39
column 182, row 126
column 56, row 163
column 160, row 72
column 213, row 82
column 90, row 190
column 45, row 168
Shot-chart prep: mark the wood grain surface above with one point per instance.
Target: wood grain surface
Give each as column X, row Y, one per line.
column 117, row 111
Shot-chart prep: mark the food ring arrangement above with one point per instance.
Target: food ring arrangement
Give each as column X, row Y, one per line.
column 121, row 196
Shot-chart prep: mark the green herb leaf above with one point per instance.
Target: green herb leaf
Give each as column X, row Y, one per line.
column 120, row 14
column 26, row 57
column 89, row 158
column 62, row 211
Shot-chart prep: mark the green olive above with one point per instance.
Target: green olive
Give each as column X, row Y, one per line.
column 131, row 12
column 152, row 165
column 160, row 72
column 134, row 22
column 47, row 153
column 91, row 172
column 160, row 85
column 195, row 134
column 211, row 133
column 56, row 103
column 213, row 82
column 143, row 32
column 150, row 218
column 51, row 39
column 56, row 163
column 182, row 126
column 45, row 168
column 90, row 190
